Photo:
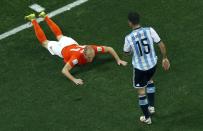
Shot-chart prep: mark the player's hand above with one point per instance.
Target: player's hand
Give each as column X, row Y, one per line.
column 121, row 62
column 165, row 64
column 78, row 81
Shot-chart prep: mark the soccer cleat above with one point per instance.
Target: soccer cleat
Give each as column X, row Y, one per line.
column 151, row 109
column 42, row 14
column 146, row 121
column 30, row 17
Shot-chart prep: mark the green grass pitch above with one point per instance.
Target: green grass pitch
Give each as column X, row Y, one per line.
column 35, row 96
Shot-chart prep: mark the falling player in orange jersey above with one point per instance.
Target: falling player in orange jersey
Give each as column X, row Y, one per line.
column 69, row 49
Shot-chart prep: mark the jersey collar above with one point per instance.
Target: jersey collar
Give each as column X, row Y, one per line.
column 137, row 28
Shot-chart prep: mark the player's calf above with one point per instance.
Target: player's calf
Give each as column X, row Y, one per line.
column 38, row 31
column 151, row 96
column 143, row 102
column 52, row 25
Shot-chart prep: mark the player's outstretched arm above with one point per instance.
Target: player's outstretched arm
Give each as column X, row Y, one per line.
column 66, row 71
column 111, row 51
column 165, row 61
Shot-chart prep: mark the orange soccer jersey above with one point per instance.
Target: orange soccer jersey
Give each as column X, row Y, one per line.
column 74, row 55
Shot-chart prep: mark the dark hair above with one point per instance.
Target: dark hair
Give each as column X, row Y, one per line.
column 134, row 18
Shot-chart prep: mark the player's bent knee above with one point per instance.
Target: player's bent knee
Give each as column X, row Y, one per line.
column 59, row 37
column 45, row 44
column 141, row 91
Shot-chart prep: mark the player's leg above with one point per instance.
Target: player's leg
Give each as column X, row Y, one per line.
column 143, row 103
column 52, row 25
column 38, row 30
column 140, row 83
column 52, row 46
column 151, row 89
column 40, row 34
column 151, row 96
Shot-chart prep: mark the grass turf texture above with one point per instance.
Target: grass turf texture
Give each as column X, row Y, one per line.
column 34, row 95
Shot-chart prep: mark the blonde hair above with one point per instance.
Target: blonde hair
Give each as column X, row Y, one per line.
column 89, row 51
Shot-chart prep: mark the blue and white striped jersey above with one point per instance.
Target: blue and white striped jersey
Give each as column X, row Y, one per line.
column 141, row 42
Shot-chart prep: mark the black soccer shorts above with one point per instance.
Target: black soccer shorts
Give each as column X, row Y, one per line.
column 141, row 78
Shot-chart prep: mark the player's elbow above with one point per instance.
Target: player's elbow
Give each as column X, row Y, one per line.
column 64, row 70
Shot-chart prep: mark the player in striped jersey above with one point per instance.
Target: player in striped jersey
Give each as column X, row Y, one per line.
column 140, row 42
column 68, row 49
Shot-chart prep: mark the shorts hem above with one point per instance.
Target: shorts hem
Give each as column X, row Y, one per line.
column 137, row 87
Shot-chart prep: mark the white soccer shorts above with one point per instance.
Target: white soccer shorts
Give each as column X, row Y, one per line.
column 55, row 47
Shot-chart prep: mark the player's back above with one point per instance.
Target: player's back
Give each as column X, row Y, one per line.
column 72, row 50
column 141, row 42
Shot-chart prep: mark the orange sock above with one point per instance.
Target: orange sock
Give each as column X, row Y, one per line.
column 53, row 26
column 39, row 32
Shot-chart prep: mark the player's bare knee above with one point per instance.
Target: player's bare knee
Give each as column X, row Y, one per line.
column 59, row 37
column 141, row 91
column 45, row 44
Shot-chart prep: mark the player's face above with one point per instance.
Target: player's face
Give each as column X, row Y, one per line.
column 90, row 59
column 130, row 23
column 89, row 55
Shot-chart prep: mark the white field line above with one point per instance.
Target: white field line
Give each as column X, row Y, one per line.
column 51, row 14
column 37, row 8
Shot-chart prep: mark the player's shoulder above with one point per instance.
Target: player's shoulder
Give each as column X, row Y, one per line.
column 148, row 28
column 128, row 35
column 151, row 29
column 94, row 46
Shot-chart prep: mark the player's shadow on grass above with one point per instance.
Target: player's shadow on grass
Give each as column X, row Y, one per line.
column 98, row 61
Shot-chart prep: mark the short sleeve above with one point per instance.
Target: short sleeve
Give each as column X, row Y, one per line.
column 155, row 36
column 72, row 61
column 127, row 47
column 98, row 49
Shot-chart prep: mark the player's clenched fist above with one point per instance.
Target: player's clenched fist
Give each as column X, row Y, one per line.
column 165, row 64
